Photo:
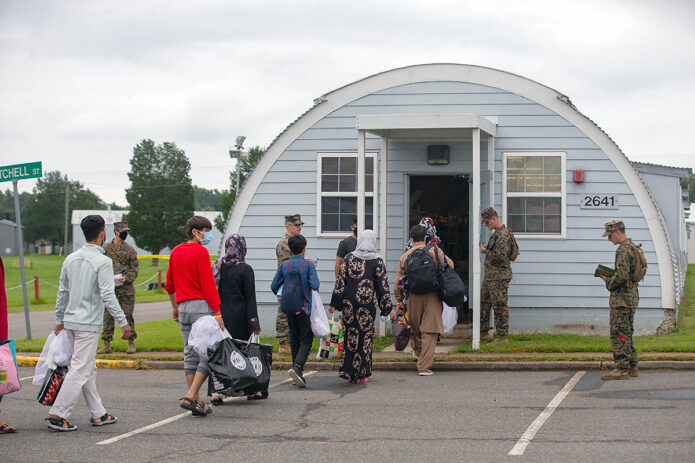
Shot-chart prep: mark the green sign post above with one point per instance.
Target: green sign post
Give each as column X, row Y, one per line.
column 15, row 173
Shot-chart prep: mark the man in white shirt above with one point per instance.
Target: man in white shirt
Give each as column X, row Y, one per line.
column 86, row 287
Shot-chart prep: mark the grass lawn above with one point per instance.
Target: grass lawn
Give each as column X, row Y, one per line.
column 47, row 268
column 682, row 340
column 165, row 336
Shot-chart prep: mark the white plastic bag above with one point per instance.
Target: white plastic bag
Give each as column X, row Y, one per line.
column 44, row 363
column 204, row 333
column 61, row 351
column 319, row 320
column 449, row 318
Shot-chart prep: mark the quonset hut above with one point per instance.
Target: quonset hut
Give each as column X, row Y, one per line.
column 446, row 141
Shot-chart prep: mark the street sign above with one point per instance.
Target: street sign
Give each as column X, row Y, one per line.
column 20, row 171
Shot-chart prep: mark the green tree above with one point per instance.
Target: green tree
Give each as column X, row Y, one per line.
column 7, row 204
column 45, row 209
column 208, row 200
column 690, row 185
column 255, row 155
column 160, row 196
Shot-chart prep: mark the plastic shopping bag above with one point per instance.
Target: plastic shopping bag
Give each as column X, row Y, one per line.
column 204, row 334
column 331, row 347
column 261, row 358
column 9, row 377
column 230, row 370
column 449, row 318
column 51, row 386
column 44, row 363
column 60, row 351
column 319, row 320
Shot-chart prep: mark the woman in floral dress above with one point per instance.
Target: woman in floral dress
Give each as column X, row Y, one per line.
column 362, row 285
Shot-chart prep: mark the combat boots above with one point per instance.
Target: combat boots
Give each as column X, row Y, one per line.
column 284, row 349
column 485, row 336
column 131, row 348
column 617, row 374
column 632, row 372
column 500, row 340
column 106, row 348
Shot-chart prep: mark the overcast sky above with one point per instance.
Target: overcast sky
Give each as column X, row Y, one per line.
column 82, row 82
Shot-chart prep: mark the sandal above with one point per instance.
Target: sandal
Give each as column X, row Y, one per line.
column 362, row 381
column 207, row 408
column 104, row 420
column 264, row 395
column 194, row 407
column 7, row 429
column 60, row 424
column 217, row 401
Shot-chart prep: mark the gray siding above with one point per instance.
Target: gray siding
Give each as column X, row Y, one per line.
column 550, row 273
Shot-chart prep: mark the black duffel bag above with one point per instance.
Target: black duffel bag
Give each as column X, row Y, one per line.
column 261, row 358
column 230, row 370
column 451, row 290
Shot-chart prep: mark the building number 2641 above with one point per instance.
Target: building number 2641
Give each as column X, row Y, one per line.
column 599, row 202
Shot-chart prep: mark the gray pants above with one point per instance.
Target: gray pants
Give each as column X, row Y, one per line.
column 189, row 312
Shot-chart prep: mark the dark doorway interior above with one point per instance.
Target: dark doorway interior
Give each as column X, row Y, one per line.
column 444, row 198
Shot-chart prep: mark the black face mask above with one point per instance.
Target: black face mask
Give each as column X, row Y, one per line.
column 123, row 235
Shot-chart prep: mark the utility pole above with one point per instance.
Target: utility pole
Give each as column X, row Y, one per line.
column 67, row 199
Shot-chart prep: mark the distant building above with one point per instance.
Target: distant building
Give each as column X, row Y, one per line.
column 8, row 238
column 116, row 216
column 690, row 220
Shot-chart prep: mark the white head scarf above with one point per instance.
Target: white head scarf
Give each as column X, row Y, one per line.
column 366, row 246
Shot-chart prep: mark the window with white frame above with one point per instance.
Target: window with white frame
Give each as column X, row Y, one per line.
column 337, row 192
column 534, row 193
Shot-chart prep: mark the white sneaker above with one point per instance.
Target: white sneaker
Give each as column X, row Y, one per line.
column 425, row 372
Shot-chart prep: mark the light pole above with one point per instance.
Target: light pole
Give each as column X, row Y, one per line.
column 240, row 155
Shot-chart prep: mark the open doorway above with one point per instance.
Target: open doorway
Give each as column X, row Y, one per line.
column 444, row 198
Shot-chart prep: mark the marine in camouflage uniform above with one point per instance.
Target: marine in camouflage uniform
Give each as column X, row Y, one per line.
column 498, row 274
column 623, row 302
column 125, row 262
column 293, row 224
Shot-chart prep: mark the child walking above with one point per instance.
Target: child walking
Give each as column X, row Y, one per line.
column 297, row 277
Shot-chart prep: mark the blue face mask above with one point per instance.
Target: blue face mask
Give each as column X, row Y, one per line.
column 206, row 239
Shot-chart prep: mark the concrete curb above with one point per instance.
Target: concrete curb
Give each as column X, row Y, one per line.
column 121, row 364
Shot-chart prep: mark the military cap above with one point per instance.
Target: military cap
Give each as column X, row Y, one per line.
column 613, row 225
column 121, row 226
column 488, row 213
column 294, row 219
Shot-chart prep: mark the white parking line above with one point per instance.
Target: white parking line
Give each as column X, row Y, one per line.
column 528, row 436
column 28, row 377
column 179, row 416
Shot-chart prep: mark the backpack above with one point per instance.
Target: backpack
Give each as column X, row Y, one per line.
column 293, row 294
column 422, row 271
column 640, row 263
column 514, row 251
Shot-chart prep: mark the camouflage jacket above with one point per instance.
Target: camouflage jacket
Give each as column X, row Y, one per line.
column 624, row 292
column 282, row 250
column 125, row 262
column 497, row 256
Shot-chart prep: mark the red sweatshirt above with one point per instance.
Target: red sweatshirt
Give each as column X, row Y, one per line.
column 190, row 275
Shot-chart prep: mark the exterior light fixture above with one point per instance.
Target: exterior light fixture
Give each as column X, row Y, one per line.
column 438, row 155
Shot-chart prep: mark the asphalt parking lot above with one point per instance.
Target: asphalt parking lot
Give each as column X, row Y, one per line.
column 398, row 416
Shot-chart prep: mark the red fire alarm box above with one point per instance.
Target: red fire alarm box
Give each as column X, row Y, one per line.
column 578, row 176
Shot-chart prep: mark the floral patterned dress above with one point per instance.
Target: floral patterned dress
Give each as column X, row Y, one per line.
column 360, row 287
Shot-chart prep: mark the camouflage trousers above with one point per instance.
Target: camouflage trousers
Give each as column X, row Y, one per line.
column 493, row 295
column 281, row 328
column 622, row 320
column 127, row 302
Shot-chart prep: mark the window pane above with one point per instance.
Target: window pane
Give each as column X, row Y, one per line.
column 329, row 183
column 552, row 206
column 369, row 183
column 347, row 183
column 368, row 205
column 348, row 206
column 534, row 173
column 552, row 183
column 515, row 173
column 369, row 221
column 552, row 224
column 515, row 183
column 515, row 164
column 517, row 223
column 534, row 205
column 345, row 222
column 329, row 222
column 330, row 205
column 516, row 205
column 369, row 166
column 329, row 166
column 552, row 165
column 348, row 165
column 534, row 223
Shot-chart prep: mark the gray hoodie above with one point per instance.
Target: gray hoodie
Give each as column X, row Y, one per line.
column 86, row 287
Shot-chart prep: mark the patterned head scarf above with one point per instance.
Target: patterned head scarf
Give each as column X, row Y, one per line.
column 235, row 253
column 366, row 246
column 431, row 236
